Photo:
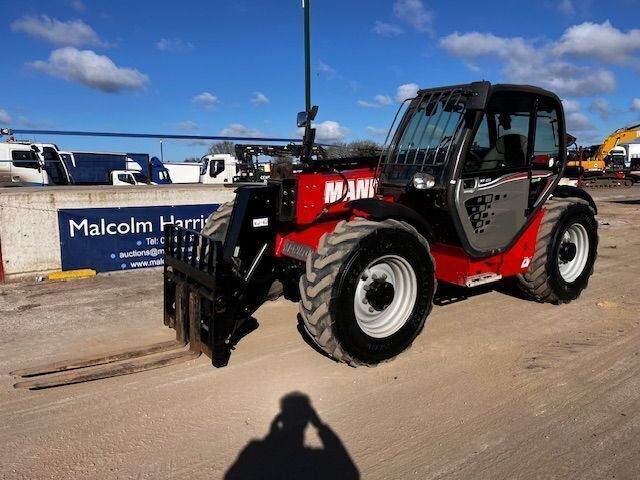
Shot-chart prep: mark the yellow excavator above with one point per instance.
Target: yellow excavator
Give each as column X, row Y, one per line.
column 605, row 167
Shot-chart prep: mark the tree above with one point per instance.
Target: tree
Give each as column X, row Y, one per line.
column 365, row 148
column 226, row 147
column 357, row 148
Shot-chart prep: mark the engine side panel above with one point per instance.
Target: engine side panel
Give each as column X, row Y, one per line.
column 317, row 190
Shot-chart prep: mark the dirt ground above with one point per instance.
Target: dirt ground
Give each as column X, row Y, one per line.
column 495, row 387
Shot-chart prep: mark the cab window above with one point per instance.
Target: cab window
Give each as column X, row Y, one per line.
column 25, row 159
column 546, row 151
column 215, row 168
column 502, row 139
column 126, row 178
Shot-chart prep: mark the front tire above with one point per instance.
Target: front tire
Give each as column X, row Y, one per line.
column 566, row 251
column 367, row 291
column 218, row 222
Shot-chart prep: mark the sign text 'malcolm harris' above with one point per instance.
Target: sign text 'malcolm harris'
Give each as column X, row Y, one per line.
column 102, row 227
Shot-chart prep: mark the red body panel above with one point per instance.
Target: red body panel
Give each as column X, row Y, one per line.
column 315, row 190
column 453, row 264
column 309, row 236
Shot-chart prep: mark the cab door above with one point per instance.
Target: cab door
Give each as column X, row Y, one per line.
column 25, row 168
column 492, row 192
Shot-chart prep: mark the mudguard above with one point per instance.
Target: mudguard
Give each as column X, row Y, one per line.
column 381, row 210
column 566, row 191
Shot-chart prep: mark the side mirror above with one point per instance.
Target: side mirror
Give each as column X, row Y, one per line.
column 303, row 119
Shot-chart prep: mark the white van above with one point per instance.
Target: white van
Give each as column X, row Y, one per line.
column 21, row 166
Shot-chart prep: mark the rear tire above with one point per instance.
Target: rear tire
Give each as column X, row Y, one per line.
column 367, row 291
column 566, row 250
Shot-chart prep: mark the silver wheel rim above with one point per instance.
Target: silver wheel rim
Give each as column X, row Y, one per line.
column 577, row 235
column 383, row 323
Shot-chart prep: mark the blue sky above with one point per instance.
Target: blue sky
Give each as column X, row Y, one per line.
column 236, row 67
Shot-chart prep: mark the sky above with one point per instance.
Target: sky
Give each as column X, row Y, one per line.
column 220, row 67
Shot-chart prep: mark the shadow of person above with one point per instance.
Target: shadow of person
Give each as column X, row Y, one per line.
column 282, row 454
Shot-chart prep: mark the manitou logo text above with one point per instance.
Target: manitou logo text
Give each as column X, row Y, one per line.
column 358, row 188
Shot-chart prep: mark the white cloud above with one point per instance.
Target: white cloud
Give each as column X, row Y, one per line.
column 91, row 70
column 408, row 90
column 328, row 70
column 599, row 40
column 524, row 63
column 567, row 79
column 260, row 99
column 578, row 122
column 26, row 122
column 78, row 5
column 328, row 131
column 383, row 100
column 173, row 45
column 387, row 29
column 5, row 118
column 73, row 33
column 239, row 130
column 601, row 108
column 187, row 126
column 379, row 101
column 567, row 7
column 635, row 105
column 414, row 13
column 571, row 106
column 377, row 132
column 206, row 100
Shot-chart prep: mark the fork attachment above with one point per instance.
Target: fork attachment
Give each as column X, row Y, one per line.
column 190, row 302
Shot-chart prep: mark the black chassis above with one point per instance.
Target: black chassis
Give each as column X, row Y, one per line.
column 212, row 288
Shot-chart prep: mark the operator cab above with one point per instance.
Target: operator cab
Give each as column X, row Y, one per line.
column 478, row 160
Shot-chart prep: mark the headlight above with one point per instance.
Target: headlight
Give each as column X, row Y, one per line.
column 423, row 181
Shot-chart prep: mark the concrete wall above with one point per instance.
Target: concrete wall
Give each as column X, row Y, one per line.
column 29, row 234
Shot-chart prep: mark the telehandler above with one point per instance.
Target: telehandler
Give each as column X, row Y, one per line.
column 465, row 193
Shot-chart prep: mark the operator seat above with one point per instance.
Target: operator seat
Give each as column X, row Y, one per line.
column 510, row 151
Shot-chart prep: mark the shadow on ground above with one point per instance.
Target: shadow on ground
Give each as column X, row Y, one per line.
column 283, row 455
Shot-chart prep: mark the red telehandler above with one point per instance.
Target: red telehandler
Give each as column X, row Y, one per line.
column 459, row 196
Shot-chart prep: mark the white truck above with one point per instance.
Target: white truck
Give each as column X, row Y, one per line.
column 218, row 169
column 183, row 172
column 633, row 156
column 25, row 164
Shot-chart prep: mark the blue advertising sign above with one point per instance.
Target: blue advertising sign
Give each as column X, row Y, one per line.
column 109, row 239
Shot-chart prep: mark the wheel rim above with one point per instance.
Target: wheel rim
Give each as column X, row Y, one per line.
column 573, row 253
column 385, row 296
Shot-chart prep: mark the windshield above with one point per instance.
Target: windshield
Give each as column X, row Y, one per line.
column 140, row 177
column 204, row 164
column 53, row 166
column 430, row 126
